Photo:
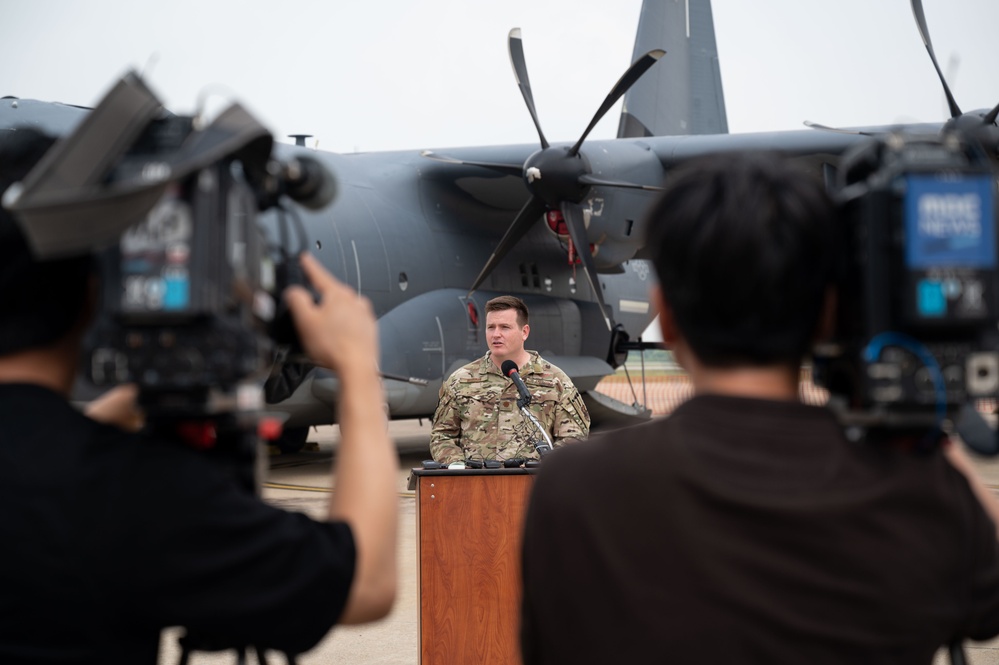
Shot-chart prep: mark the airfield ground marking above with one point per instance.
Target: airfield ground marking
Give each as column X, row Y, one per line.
column 324, row 490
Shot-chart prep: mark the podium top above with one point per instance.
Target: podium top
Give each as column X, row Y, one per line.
column 418, row 472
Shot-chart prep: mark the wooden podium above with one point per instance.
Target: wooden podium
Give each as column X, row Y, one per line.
column 468, row 531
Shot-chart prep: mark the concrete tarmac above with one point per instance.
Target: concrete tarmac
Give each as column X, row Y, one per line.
column 302, row 482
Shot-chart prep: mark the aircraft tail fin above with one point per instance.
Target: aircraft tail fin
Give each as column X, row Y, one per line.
column 682, row 94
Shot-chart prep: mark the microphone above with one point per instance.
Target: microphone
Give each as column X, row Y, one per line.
column 510, row 369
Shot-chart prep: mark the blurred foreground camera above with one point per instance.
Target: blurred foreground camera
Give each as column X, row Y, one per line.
column 916, row 339
column 188, row 290
column 191, row 305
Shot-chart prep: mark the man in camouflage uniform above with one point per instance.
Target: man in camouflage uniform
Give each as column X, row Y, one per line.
column 477, row 417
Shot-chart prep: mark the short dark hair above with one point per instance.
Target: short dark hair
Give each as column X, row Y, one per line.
column 40, row 301
column 745, row 247
column 509, row 302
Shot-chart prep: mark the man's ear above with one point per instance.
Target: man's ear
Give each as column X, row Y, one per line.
column 526, row 330
column 667, row 324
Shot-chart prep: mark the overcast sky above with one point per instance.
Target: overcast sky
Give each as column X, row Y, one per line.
column 400, row 74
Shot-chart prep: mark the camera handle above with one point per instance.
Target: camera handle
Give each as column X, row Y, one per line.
column 282, row 328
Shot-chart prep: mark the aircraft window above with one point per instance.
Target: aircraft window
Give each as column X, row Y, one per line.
column 572, row 285
column 629, row 225
column 319, row 244
column 524, row 280
column 535, row 277
column 403, row 281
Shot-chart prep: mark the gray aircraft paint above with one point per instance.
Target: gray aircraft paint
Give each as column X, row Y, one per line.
column 683, row 93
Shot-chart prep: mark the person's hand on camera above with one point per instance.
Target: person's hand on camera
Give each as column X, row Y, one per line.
column 118, row 407
column 338, row 332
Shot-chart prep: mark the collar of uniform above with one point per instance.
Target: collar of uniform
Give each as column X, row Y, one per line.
column 488, row 367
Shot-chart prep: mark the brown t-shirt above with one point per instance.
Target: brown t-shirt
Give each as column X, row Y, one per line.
column 752, row 531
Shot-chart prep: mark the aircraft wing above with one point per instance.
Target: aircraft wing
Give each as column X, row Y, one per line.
column 49, row 117
column 812, row 146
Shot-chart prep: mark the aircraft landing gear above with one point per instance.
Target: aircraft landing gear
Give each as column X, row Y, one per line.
column 292, row 440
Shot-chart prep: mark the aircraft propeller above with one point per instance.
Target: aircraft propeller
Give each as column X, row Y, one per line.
column 981, row 125
column 924, row 34
column 558, row 177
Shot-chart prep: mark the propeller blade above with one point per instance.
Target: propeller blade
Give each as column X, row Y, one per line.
column 924, row 33
column 634, row 73
column 508, row 169
column 518, row 228
column 827, row 128
column 590, row 179
column 990, row 117
column 523, row 82
column 573, row 215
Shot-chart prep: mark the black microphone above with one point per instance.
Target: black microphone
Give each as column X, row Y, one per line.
column 510, row 369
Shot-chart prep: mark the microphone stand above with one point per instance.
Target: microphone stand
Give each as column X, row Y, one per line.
column 542, row 448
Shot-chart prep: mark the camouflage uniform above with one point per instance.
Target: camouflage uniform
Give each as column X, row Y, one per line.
column 477, row 416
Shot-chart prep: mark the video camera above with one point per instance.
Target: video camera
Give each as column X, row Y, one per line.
column 191, row 305
column 916, row 341
column 191, row 287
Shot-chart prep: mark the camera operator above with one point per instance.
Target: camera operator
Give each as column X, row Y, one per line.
column 745, row 527
column 110, row 537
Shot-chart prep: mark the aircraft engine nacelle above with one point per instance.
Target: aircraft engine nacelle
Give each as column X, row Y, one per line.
column 612, row 227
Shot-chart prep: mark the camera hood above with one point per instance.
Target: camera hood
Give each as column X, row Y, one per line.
column 70, row 203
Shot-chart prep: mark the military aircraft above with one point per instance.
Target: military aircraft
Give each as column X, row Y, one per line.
column 429, row 236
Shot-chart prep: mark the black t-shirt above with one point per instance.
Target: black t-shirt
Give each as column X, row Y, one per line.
column 106, row 537
column 751, row 531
